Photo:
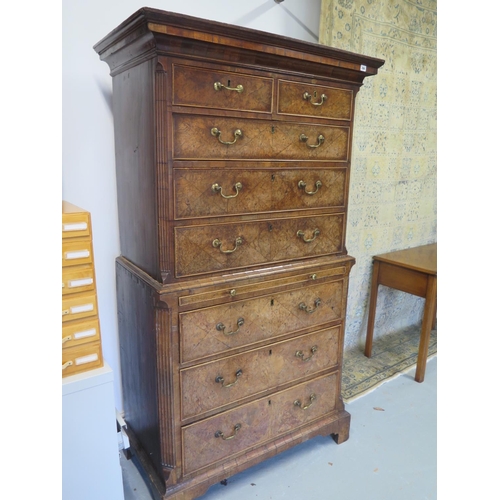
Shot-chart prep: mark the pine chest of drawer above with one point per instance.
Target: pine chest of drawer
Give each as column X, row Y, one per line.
column 233, row 157
column 81, row 338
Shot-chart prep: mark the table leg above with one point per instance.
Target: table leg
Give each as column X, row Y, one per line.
column 428, row 319
column 372, row 309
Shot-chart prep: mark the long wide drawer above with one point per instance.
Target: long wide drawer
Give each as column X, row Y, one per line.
column 209, row 88
column 216, row 137
column 235, row 431
column 218, row 383
column 219, row 329
column 217, row 247
column 202, row 193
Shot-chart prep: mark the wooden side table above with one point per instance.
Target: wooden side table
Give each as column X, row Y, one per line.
column 414, row 271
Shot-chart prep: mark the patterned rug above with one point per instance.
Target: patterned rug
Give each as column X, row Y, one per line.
column 392, row 355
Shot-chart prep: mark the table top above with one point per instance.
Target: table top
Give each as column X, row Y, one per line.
column 422, row 258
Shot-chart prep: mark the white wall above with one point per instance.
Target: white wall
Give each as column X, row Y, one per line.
column 88, row 168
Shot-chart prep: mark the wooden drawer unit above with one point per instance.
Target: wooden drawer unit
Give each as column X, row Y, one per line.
column 260, row 421
column 228, row 380
column 232, row 184
column 81, row 339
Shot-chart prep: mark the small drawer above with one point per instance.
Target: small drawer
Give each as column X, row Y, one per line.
column 77, row 252
column 77, row 279
column 236, row 431
column 75, row 225
column 304, row 99
column 222, row 138
column 226, row 381
column 219, row 329
column 79, row 307
column 80, row 332
column 202, row 193
column 81, row 358
column 208, row 88
column 210, row 248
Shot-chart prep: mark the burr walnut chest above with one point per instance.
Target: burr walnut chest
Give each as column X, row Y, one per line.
column 232, row 158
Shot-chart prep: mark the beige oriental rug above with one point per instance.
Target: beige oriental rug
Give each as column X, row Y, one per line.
column 392, row 355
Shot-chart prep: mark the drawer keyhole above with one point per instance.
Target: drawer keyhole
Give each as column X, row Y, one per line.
column 229, row 84
column 270, row 352
column 272, row 302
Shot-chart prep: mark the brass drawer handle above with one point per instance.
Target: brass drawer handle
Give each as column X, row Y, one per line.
column 308, row 97
column 220, row 434
column 222, row 328
column 219, row 86
column 302, row 235
column 66, row 339
column 304, row 138
column 300, row 354
column 216, row 188
column 310, row 310
column 218, row 244
column 312, row 398
column 220, row 380
column 303, row 184
column 68, row 363
column 217, row 133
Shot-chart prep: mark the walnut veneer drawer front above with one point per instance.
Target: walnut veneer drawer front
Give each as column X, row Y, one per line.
column 215, row 137
column 75, row 225
column 202, row 193
column 209, row 248
column 221, row 89
column 218, row 383
column 80, row 332
column 77, row 279
column 76, row 252
column 219, row 329
column 262, row 420
column 314, row 100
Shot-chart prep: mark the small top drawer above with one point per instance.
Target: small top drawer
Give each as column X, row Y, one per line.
column 305, row 99
column 221, row 89
column 75, row 221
